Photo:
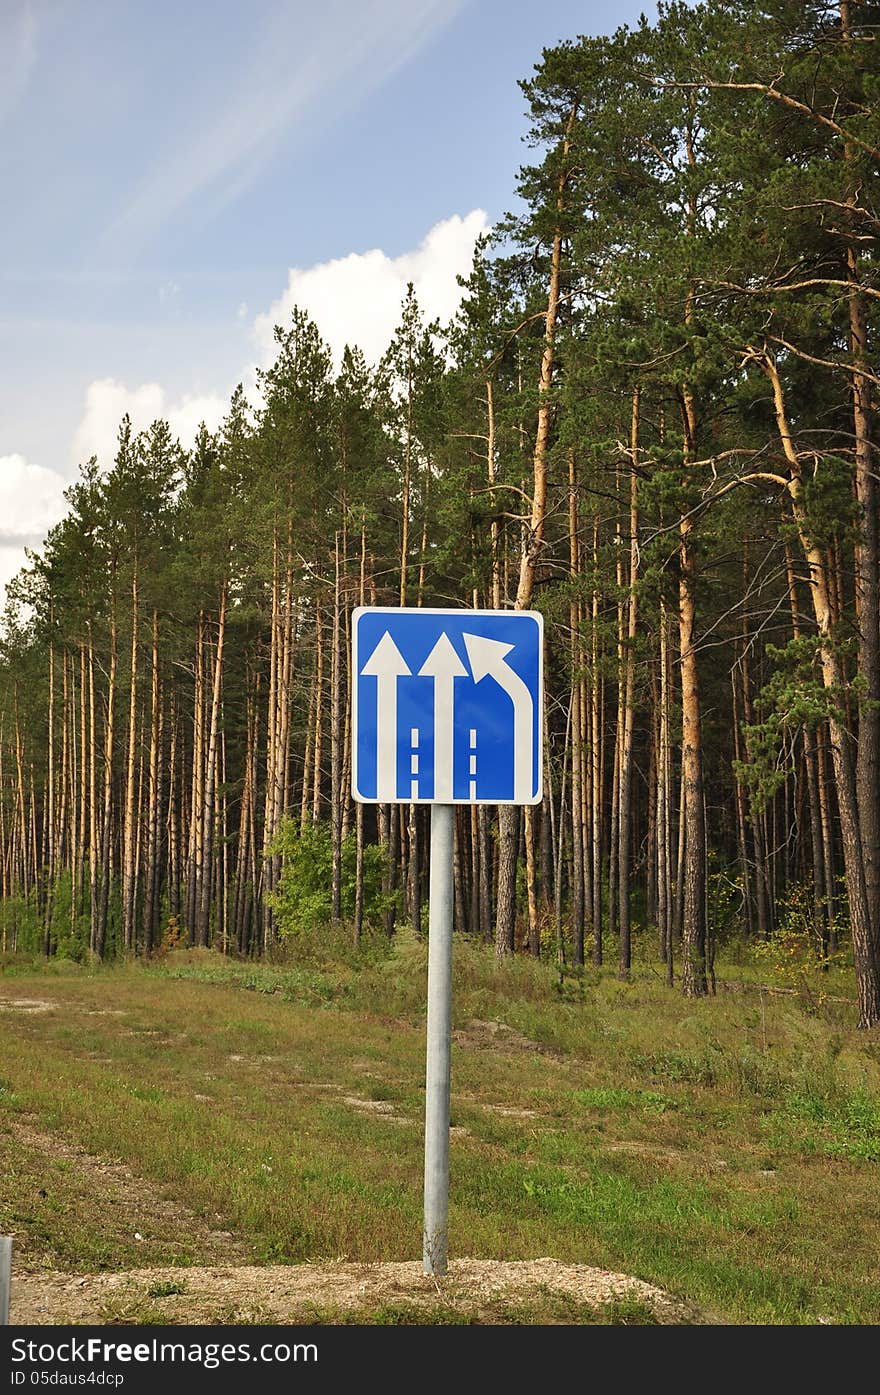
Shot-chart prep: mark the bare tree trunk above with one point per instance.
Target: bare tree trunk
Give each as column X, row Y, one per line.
column 359, row 812
column 194, row 871
column 414, row 884
column 578, row 907
column 344, row 795
column 308, row 755
column 84, row 827
column 50, row 810
column 128, row 840
column 763, row 897
column 817, row 852
column 106, row 831
column 319, row 717
column 693, row 930
column 495, row 525
column 93, row 803
column 597, row 762
column 151, row 873
column 867, row 556
column 834, row 679
column 204, row 910
column 628, row 692
column 664, row 801
column 533, row 542
column 742, row 841
column 534, row 930
column 335, row 748
column 827, row 839
column 175, row 790
column 222, row 842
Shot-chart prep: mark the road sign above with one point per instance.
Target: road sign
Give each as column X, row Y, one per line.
column 447, row 706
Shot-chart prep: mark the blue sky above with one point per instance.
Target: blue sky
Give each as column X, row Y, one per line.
column 165, row 166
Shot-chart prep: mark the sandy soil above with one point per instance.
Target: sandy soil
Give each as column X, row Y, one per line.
column 286, row 1294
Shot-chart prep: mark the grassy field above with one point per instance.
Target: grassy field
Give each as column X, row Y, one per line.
column 725, row 1149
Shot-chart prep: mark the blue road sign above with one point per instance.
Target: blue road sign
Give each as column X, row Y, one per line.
column 447, row 706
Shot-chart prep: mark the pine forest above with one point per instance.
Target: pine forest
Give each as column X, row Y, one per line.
column 652, row 419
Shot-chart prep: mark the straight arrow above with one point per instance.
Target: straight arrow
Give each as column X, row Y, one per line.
column 489, row 656
column 444, row 666
column 386, row 664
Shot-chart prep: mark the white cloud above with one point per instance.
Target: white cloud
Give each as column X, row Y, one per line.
column 31, row 498
column 31, row 502
column 356, row 299
column 353, row 300
column 107, row 402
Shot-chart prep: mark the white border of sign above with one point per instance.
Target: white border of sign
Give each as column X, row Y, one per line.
column 535, row 615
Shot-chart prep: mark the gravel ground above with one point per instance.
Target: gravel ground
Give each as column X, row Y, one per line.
column 286, row 1293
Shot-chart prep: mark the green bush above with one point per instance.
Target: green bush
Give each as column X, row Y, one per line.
column 302, row 901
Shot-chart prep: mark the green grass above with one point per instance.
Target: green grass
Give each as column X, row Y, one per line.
column 725, row 1149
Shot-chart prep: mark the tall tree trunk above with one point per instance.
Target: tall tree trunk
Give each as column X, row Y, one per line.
column 319, row 717
column 50, row 809
column 867, row 554
column 596, row 724
column 578, row 907
column 664, row 801
column 495, row 524
column 151, row 871
column 811, row 771
column 533, row 542
column 628, row 689
column 694, row 980
column 128, row 838
column 207, row 813
column 865, row 953
column 335, row 746
column 106, row 830
column 359, row 811
column 175, row 783
column 93, row 802
column 195, row 869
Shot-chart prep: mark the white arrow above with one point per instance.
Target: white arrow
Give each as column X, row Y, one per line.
column 444, row 666
column 488, row 656
column 386, row 664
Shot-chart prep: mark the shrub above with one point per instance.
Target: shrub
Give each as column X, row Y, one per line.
column 302, row 901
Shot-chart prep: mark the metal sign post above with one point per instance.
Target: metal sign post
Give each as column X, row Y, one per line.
column 5, row 1277
column 446, row 709
column 434, row 1246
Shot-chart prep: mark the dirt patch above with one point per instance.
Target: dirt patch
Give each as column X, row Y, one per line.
column 383, row 1107
column 146, row 1213
column 508, row 1111
column 27, row 1005
column 498, row 1036
column 659, row 1154
column 287, row 1294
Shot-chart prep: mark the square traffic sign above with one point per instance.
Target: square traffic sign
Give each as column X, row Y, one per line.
column 447, row 706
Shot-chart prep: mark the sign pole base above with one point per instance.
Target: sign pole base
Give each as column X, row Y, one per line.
column 440, row 894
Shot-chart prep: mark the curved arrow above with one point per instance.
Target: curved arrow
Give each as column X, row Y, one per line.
column 444, row 666
column 489, row 656
column 386, row 664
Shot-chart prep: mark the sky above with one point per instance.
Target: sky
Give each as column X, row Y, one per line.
column 177, row 177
